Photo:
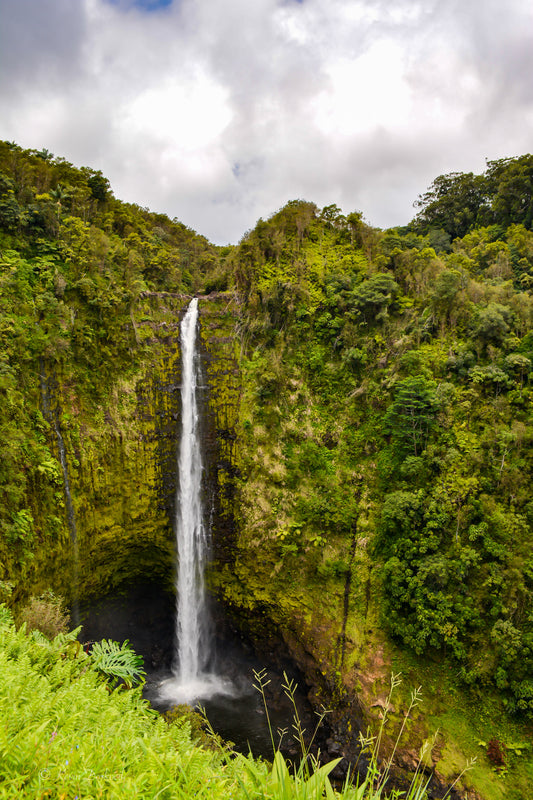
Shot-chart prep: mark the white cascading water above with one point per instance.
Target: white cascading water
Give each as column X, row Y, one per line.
column 190, row 682
column 190, row 527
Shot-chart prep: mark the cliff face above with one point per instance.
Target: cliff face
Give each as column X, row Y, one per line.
column 219, row 352
column 115, row 498
column 115, row 494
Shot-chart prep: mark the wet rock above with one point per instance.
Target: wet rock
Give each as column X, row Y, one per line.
column 340, row 771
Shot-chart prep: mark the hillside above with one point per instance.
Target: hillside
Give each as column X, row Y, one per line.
column 397, row 381
column 369, row 423
column 385, row 513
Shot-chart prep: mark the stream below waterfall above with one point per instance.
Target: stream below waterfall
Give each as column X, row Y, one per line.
column 145, row 616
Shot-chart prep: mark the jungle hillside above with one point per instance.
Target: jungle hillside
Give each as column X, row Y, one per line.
column 381, row 470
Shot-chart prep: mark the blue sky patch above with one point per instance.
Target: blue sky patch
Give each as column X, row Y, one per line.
column 144, row 5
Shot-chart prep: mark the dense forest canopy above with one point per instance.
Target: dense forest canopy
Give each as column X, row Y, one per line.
column 413, row 348
column 458, row 202
column 386, row 430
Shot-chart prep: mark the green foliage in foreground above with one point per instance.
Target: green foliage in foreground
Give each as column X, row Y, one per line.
column 65, row 733
column 117, row 662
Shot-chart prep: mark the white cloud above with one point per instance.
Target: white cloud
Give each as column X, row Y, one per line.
column 191, row 115
column 364, row 92
column 218, row 113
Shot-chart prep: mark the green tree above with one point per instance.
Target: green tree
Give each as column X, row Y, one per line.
column 372, row 299
column 98, row 184
column 511, row 180
column 444, row 298
column 452, row 204
column 412, row 415
column 492, row 324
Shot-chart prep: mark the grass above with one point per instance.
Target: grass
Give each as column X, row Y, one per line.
column 311, row 780
column 466, row 724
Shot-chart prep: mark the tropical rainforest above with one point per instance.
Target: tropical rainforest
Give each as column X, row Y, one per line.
column 375, row 436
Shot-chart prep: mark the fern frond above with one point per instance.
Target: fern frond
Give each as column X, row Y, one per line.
column 6, row 617
column 118, row 662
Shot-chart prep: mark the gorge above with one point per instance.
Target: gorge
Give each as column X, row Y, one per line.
column 366, row 441
column 197, row 665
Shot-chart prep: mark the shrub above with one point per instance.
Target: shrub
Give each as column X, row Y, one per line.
column 46, row 614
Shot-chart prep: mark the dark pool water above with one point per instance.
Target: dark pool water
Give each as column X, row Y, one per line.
column 145, row 617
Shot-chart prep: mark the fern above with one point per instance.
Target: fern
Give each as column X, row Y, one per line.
column 6, row 617
column 58, row 642
column 118, row 662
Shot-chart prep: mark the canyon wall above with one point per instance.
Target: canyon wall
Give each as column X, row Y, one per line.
column 121, row 458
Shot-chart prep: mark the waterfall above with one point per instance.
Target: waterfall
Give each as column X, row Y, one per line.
column 190, row 681
column 191, row 535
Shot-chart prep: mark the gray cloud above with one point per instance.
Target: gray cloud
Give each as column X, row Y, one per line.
column 37, row 41
column 219, row 113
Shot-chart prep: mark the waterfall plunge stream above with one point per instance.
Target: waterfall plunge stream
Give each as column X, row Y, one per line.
column 192, row 621
column 190, row 681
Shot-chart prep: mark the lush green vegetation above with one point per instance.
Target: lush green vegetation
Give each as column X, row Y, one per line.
column 457, row 203
column 67, row 733
column 63, row 733
column 386, row 439
column 75, row 265
column 397, row 380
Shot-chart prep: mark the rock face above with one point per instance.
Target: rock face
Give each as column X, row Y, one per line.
column 220, row 360
column 121, row 455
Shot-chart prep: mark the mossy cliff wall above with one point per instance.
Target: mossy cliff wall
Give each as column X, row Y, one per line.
column 121, row 456
column 220, row 360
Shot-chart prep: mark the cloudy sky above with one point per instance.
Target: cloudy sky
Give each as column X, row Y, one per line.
column 219, row 111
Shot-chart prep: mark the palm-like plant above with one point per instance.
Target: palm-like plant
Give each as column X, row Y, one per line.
column 59, row 194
